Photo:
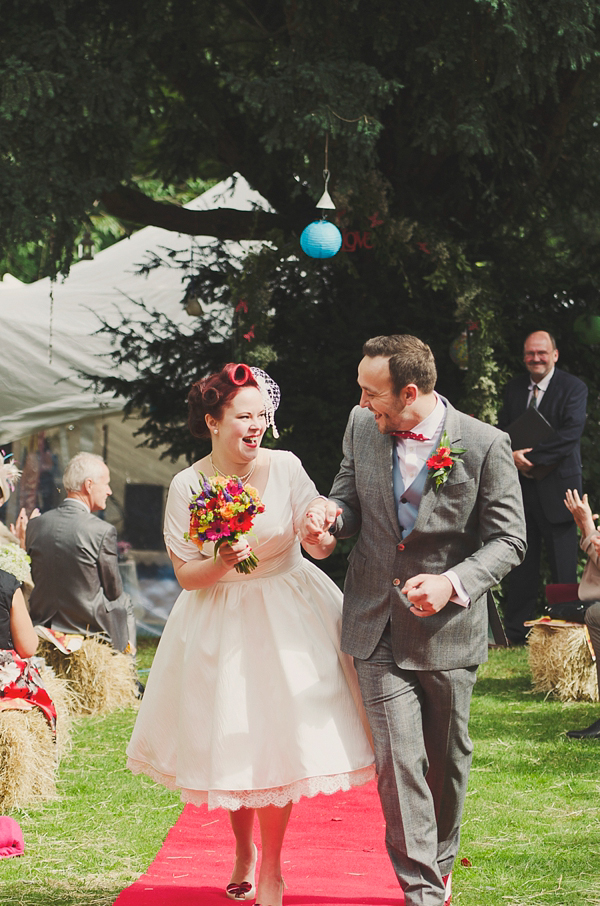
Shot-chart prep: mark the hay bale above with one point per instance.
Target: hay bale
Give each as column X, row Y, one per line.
column 66, row 706
column 27, row 760
column 29, row 756
column 101, row 678
column 561, row 663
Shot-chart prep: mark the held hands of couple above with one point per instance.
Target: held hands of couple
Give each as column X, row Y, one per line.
column 427, row 593
column 320, row 516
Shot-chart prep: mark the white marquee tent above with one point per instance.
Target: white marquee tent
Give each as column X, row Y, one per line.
column 36, row 393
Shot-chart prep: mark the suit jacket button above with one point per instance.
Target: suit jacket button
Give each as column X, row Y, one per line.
column 396, row 582
column 399, row 547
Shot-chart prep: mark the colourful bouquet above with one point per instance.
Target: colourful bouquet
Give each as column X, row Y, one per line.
column 222, row 511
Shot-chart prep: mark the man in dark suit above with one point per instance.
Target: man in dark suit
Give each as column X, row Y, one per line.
column 415, row 616
column 74, row 563
column 546, row 472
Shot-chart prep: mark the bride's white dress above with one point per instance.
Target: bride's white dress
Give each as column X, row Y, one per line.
column 250, row 701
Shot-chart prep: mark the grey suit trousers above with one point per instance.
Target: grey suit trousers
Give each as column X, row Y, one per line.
column 419, row 720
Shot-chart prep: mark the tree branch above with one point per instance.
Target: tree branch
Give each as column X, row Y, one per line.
column 222, row 223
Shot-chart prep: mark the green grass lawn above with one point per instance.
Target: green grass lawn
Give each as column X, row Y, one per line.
column 531, row 827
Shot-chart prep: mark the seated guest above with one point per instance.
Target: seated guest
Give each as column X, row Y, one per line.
column 21, row 685
column 13, row 558
column 589, row 587
column 77, row 584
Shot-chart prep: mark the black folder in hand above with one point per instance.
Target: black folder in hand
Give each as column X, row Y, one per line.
column 529, row 429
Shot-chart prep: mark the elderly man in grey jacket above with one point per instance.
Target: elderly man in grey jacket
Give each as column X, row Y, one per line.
column 74, row 564
column 435, row 498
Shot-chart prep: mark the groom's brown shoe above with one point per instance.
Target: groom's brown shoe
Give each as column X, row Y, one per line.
column 592, row 732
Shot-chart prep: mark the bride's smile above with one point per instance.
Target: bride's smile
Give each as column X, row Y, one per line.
column 237, row 435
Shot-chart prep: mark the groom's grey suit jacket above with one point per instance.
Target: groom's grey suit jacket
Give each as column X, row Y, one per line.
column 473, row 524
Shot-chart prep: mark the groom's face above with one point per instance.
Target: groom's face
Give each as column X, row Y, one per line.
column 377, row 394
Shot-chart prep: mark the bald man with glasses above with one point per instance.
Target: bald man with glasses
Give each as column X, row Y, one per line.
column 546, row 472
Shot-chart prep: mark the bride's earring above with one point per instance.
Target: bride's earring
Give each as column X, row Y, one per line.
column 216, row 431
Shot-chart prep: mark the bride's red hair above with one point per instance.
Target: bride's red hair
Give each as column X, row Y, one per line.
column 211, row 394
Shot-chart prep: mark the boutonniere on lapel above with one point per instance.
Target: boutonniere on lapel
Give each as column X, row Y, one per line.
column 443, row 459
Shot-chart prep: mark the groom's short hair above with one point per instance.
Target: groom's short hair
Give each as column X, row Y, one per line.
column 410, row 360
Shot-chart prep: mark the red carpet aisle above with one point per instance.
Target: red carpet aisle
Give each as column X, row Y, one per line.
column 334, row 854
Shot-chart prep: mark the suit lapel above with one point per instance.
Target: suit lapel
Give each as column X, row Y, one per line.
column 430, row 495
column 548, row 396
column 385, row 452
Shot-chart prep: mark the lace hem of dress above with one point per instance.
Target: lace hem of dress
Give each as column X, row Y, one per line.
column 278, row 796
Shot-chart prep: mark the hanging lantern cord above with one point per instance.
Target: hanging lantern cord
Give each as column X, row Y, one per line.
column 326, row 175
column 326, row 202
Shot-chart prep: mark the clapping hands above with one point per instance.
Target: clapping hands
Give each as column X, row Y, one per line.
column 19, row 528
column 581, row 512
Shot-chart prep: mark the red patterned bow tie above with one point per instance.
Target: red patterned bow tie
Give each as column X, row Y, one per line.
column 409, row 435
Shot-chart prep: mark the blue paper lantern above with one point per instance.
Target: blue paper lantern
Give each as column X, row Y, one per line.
column 321, row 239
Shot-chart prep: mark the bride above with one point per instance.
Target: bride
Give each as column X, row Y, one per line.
column 250, row 703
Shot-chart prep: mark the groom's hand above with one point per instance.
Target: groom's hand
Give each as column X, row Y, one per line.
column 428, row 594
column 320, row 515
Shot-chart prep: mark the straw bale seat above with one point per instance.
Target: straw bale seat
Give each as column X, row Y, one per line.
column 102, row 678
column 29, row 756
column 561, row 662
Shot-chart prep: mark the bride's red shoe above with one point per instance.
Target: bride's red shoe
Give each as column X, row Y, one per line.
column 245, row 890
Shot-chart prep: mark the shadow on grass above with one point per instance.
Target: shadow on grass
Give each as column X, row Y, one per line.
column 506, row 689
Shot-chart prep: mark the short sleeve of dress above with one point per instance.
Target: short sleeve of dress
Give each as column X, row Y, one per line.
column 302, row 489
column 177, row 516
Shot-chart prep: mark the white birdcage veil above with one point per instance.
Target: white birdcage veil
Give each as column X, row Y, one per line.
column 271, row 395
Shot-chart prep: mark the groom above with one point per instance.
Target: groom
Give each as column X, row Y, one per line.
column 415, row 616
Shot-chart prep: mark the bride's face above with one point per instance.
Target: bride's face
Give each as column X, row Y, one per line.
column 242, row 425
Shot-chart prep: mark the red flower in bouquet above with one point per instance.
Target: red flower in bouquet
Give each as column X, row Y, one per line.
column 242, row 522
column 222, row 511
column 442, row 461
